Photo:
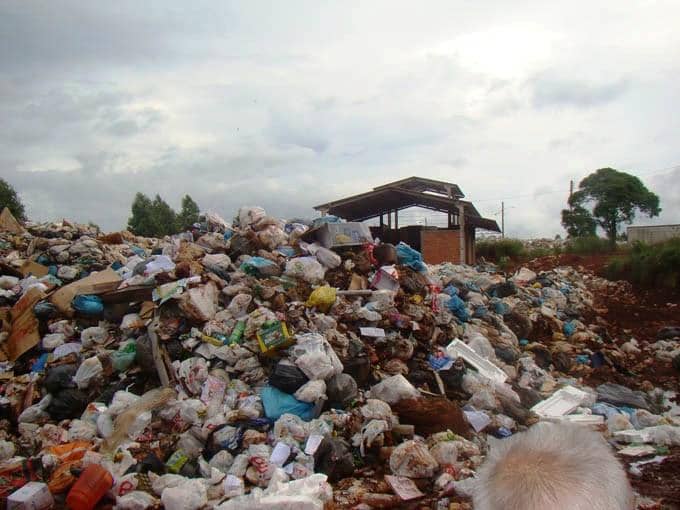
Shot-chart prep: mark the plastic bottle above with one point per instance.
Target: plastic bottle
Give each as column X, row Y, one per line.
column 90, row 488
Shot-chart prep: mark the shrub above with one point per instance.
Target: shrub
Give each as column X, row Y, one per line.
column 644, row 264
column 495, row 250
column 590, row 245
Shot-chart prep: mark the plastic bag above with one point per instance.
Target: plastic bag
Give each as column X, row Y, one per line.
column 247, row 215
column 88, row 305
column 393, row 389
column 307, row 268
column 148, row 402
column 322, row 298
column 124, row 357
column 189, row 495
column 135, row 500
column 409, row 257
column 413, row 460
column 218, row 263
column 68, row 403
column 315, row 356
column 88, row 371
column 328, row 258
column 341, row 390
column 277, row 403
column 287, row 377
column 260, row 267
column 238, row 307
column 334, row 459
column 60, row 377
column 93, row 335
column 311, row 392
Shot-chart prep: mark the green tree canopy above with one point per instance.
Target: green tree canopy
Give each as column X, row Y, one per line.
column 141, row 222
column 10, row 199
column 608, row 198
column 189, row 213
column 164, row 217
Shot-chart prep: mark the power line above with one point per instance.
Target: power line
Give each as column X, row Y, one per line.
column 659, row 171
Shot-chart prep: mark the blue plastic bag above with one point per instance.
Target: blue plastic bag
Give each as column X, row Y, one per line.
column 276, row 403
column 88, row 305
column 569, row 328
column 480, row 312
column 451, row 290
column 409, row 257
column 254, row 265
column 499, row 306
column 457, row 308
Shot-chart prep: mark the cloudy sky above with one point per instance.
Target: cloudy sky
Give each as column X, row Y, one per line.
column 290, row 104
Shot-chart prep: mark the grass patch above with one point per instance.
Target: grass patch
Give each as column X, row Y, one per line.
column 650, row 265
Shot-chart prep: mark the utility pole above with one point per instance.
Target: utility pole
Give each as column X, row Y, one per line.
column 502, row 220
column 571, row 192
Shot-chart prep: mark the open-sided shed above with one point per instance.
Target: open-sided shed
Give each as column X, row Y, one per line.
column 454, row 243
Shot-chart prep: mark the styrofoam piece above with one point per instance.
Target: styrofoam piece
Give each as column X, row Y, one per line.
column 561, row 403
column 578, row 419
column 459, row 349
column 634, row 436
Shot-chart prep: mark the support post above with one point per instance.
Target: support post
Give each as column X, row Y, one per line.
column 461, row 226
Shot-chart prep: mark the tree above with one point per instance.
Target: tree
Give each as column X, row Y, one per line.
column 164, row 217
column 10, row 199
column 141, row 222
column 608, row 198
column 189, row 213
column 578, row 222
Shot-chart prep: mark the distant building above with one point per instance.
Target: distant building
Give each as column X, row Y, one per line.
column 453, row 243
column 653, row 234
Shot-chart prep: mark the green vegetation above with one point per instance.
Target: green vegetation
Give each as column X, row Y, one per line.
column 657, row 265
column 497, row 249
column 591, row 245
column 10, row 199
column 157, row 219
column 607, row 198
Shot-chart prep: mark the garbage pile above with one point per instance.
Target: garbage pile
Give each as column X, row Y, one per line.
column 268, row 364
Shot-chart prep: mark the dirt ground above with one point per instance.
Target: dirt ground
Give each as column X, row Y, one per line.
column 639, row 313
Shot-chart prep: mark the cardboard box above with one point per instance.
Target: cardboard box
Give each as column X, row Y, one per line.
column 32, row 496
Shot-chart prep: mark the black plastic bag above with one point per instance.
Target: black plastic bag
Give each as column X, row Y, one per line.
column 67, row 404
column 341, row 390
column 287, row 377
column 334, row 459
column 59, row 378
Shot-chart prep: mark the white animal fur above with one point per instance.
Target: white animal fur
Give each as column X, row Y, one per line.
column 552, row 467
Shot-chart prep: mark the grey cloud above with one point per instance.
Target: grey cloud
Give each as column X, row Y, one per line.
column 550, row 91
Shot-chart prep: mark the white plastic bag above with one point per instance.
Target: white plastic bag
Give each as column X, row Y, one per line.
column 306, row 268
column 393, row 389
column 312, row 391
column 247, row 215
column 89, row 370
column 315, row 357
column 413, row 460
column 190, row 495
column 328, row 258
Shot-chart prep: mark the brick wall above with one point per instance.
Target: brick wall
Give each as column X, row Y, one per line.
column 440, row 246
